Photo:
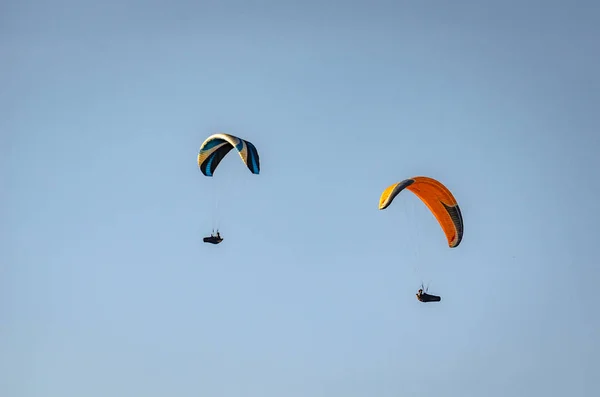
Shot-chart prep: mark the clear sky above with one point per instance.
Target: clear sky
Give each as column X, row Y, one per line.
column 107, row 289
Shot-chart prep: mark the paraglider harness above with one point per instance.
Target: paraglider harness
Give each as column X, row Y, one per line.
column 425, row 297
column 213, row 239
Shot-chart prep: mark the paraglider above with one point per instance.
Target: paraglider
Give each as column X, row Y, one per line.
column 211, row 153
column 442, row 205
column 213, row 239
column 425, row 297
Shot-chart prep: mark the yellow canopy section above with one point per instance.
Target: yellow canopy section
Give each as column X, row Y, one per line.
column 437, row 198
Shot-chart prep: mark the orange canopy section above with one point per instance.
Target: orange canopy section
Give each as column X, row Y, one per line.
column 437, row 198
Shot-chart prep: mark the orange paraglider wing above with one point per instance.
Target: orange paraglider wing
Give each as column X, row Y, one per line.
column 437, row 198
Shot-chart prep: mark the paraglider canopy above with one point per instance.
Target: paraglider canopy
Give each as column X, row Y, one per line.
column 437, row 198
column 216, row 146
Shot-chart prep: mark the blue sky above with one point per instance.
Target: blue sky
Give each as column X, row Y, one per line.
column 107, row 289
